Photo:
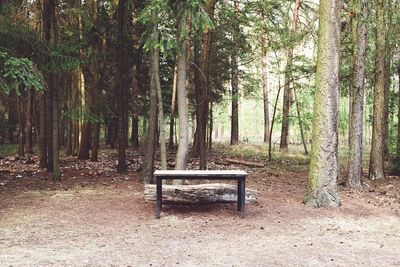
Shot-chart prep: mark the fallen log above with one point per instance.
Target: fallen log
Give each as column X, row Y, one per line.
column 198, row 194
column 245, row 162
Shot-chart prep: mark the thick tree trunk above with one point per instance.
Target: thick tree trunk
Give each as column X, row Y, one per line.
column 121, row 88
column 324, row 168
column 84, row 145
column 198, row 194
column 287, row 94
column 354, row 167
column 264, row 71
column 376, row 167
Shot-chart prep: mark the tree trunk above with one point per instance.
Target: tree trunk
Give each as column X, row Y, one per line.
column 161, row 124
column 235, row 84
column 182, row 153
column 357, row 91
column 148, row 162
column 235, row 102
column 273, row 121
column 198, row 194
column 172, row 113
column 376, row 167
column 398, row 116
column 324, row 168
column 287, row 94
column 303, row 140
column 136, row 71
column 29, row 124
column 121, row 88
column 42, row 131
column 21, row 129
column 264, row 71
column 94, row 91
column 202, row 90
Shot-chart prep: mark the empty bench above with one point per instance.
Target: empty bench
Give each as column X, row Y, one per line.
column 239, row 176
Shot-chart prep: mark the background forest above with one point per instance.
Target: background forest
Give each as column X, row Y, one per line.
column 158, row 75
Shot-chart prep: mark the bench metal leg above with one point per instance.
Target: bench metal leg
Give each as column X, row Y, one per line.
column 159, row 197
column 242, row 190
column 239, row 195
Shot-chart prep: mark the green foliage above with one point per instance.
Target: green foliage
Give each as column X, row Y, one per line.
column 18, row 72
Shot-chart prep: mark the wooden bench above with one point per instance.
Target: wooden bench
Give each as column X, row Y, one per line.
column 239, row 176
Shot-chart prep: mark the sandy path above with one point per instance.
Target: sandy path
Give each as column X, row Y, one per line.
column 114, row 227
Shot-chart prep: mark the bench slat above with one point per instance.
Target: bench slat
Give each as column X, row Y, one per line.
column 200, row 173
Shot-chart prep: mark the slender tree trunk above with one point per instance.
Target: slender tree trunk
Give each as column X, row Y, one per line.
column 235, row 85
column 121, row 89
column 398, row 115
column 29, row 124
column 376, row 167
column 42, row 131
column 161, row 124
column 182, row 153
column 202, row 93
column 287, row 94
column 303, row 140
column 264, row 70
column 148, row 163
column 21, row 129
column 136, row 70
column 324, row 168
column 172, row 113
column 357, row 91
column 211, row 126
column 273, row 121
column 235, row 102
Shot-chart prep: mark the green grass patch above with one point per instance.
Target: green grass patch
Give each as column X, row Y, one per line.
column 7, row 150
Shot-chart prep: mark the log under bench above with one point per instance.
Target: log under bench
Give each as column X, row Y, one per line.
column 238, row 175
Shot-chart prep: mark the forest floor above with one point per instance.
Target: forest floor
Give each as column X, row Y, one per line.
column 96, row 217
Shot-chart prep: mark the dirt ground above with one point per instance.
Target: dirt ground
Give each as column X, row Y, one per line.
column 98, row 218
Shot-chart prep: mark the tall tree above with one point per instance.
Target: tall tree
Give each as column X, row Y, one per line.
column 264, row 71
column 376, row 166
column 121, row 87
column 235, row 82
column 357, row 91
column 287, row 94
column 182, row 153
column 324, row 169
column 52, row 102
column 202, row 85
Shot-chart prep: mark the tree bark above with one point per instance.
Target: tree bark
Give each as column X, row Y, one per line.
column 376, row 167
column 354, row 167
column 136, row 71
column 182, row 153
column 42, row 131
column 324, row 168
column 235, row 85
column 29, row 124
column 398, row 115
column 198, row 194
column 172, row 113
column 21, row 128
column 202, row 92
column 121, row 88
column 287, row 94
column 264, row 71
column 148, row 163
